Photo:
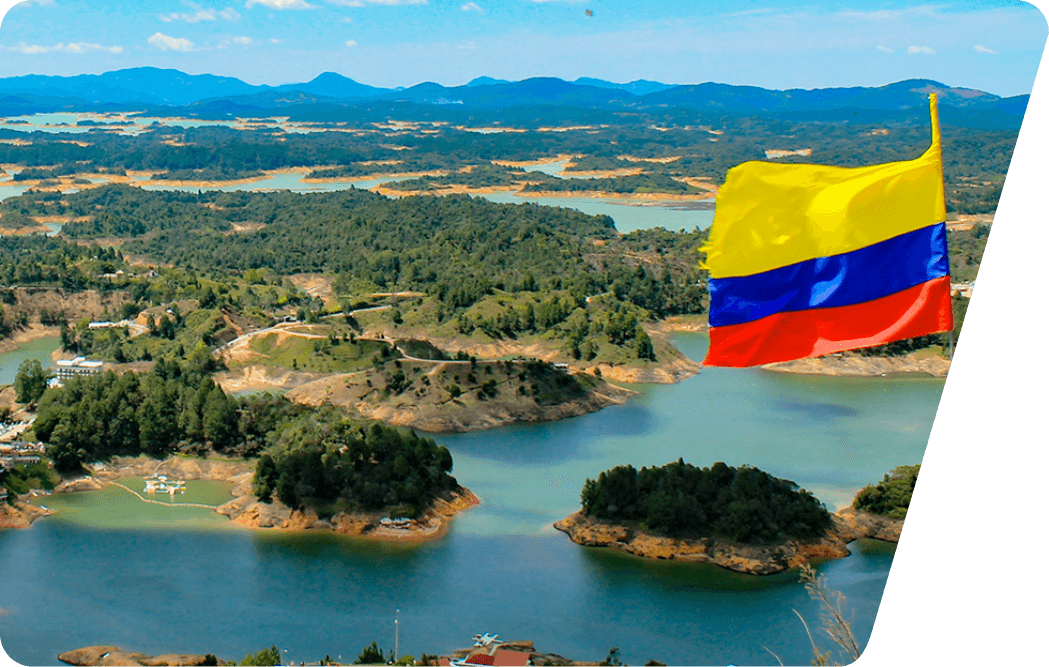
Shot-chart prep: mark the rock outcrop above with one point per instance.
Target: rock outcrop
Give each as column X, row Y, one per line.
column 21, row 515
column 79, row 484
column 747, row 558
column 253, row 513
column 856, row 365
column 114, row 655
column 874, row 526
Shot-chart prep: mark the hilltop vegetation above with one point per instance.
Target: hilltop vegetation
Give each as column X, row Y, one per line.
column 891, row 497
column 502, row 270
column 335, row 464
column 680, row 500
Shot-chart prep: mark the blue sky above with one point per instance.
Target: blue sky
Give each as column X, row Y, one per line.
column 992, row 46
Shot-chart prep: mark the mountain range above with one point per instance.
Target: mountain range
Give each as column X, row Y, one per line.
column 209, row 94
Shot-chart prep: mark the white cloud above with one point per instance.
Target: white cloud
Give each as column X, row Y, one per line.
column 884, row 49
column 350, row 43
column 280, row 4
column 912, row 50
column 195, row 17
column 878, row 15
column 471, row 7
column 386, row 3
column 239, row 41
column 201, row 14
column 72, row 47
column 30, row 49
column 983, row 49
column 167, row 43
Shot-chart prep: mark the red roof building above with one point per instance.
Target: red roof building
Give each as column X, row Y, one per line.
column 506, row 658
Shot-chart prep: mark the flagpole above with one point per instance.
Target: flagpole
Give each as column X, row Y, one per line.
column 934, row 119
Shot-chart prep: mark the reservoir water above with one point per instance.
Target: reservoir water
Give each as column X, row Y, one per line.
column 39, row 349
column 109, row 569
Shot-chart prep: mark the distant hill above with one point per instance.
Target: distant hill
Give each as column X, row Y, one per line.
column 746, row 99
column 639, row 87
column 485, row 81
column 151, row 85
column 167, row 91
column 140, row 84
column 330, row 84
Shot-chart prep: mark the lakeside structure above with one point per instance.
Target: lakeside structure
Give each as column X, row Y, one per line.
column 161, row 484
column 18, row 453
column 66, row 369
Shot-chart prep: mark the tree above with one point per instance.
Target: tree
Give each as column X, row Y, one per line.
column 30, row 382
column 613, row 657
column 219, row 419
column 644, row 345
column 371, row 655
column 267, row 657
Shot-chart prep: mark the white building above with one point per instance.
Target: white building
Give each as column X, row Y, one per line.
column 67, row 368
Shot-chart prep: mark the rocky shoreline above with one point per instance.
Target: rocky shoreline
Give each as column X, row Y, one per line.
column 21, row 515
column 859, row 366
column 249, row 511
column 847, row 526
column 871, row 526
column 745, row 558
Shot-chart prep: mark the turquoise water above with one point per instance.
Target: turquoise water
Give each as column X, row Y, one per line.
column 671, row 215
column 39, row 349
column 502, row 568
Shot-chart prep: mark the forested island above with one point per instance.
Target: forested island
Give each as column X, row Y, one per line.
column 878, row 511
column 740, row 518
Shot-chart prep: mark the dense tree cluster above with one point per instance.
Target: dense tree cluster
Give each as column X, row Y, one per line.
column 39, row 260
column 173, row 407
column 891, row 496
column 743, row 504
column 324, row 459
column 457, row 248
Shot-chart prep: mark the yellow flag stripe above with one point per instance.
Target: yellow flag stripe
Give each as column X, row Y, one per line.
column 773, row 215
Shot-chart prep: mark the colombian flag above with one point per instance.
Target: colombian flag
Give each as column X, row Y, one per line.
column 806, row 260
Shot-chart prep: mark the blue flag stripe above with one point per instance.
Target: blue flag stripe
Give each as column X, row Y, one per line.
column 862, row 275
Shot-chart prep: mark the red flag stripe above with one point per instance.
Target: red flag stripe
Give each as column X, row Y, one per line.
column 916, row 311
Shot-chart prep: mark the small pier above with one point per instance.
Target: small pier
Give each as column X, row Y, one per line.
column 163, row 484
